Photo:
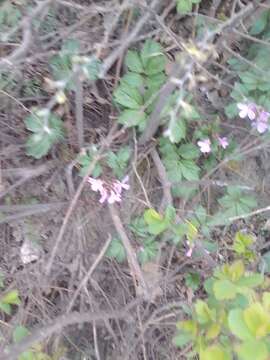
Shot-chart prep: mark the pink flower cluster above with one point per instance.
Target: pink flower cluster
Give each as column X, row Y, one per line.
column 257, row 115
column 110, row 192
column 205, row 145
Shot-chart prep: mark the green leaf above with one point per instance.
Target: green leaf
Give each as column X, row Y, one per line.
column 252, row 349
column 237, row 325
column 170, row 214
column 251, row 280
column 133, row 79
column 188, row 151
column 242, row 242
column 19, row 333
column 118, row 162
column 204, row 314
column 257, row 320
column 214, row 352
column 91, row 68
column 5, row 307
column 177, row 130
column 224, row 290
column 128, row 96
column 260, row 24
column 148, row 251
column 133, row 62
column 47, row 129
column 156, row 223
column 130, row 118
column 265, row 262
column 152, row 58
column 116, row 250
column 192, row 280
column 28, row 355
column 181, row 339
column 154, row 82
column 190, row 170
column 184, row 6
column 12, row 298
column 85, row 160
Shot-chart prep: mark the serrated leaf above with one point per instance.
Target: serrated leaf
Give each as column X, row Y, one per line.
column 190, row 170
column 156, row 223
column 12, row 298
column 133, row 62
column 257, row 320
column 251, row 280
column 188, row 151
column 237, row 325
column 133, row 79
column 181, row 339
column 204, row 314
column 5, row 307
column 128, row 96
column 184, row 6
column 148, row 251
column 224, row 290
column 260, row 24
column 214, row 352
column 19, row 333
column 116, row 250
column 131, row 118
column 152, row 58
column 252, row 349
column 91, row 68
column 176, row 130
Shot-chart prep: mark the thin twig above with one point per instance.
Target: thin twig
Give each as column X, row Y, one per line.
column 79, row 110
column 89, row 273
column 58, row 324
column 166, row 184
column 131, row 257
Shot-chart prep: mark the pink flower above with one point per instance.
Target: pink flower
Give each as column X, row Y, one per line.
column 190, row 250
column 205, row 146
column 247, row 110
column 110, row 192
column 223, row 142
column 262, row 121
column 104, row 195
column 96, row 184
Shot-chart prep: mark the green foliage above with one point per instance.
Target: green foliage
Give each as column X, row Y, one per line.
column 242, row 245
column 47, row 130
column 192, row 280
column 9, row 299
column 236, row 202
column 252, row 81
column 9, row 17
column 179, row 161
column 233, row 321
column 137, row 89
column 86, row 159
column 35, row 353
column 184, row 6
column 68, row 60
column 118, row 161
column 116, row 250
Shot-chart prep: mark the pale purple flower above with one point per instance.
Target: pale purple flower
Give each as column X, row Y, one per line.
column 96, row 184
column 261, row 123
column 205, row 146
column 110, row 192
column 247, row 110
column 104, row 195
column 223, row 142
column 190, row 250
column 114, row 197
